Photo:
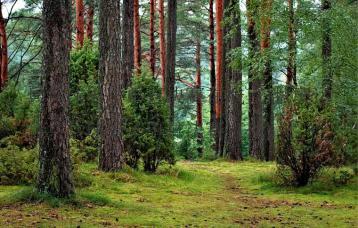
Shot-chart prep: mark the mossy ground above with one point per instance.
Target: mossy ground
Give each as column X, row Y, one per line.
column 198, row 194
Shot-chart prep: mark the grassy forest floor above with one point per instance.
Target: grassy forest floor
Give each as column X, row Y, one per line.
column 204, row 194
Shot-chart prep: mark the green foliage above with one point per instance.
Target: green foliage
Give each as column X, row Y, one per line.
column 18, row 166
column 147, row 133
column 85, row 150
column 84, row 91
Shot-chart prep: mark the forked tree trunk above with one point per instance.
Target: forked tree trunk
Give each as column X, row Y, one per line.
column 55, row 163
column 199, row 103
column 128, row 44
column 170, row 56
column 162, row 43
column 219, row 70
column 212, row 65
column 90, row 20
column 110, row 124
column 152, row 38
column 255, row 103
column 137, row 38
column 4, row 57
column 80, row 22
column 234, row 95
column 268, row 120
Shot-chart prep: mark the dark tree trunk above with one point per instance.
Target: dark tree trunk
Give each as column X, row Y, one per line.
column 234, row 91
column 268, row 120
column 162, row 43
column 219, row 73
column 80, row 22
column 255, row 103
column 55, row 162
column 90, row 20
column 292, row 51
column 199, row 103
column 110, row 125
column 151, row 36
column 127, row 43
column 137, row 38
column 3, row 48
column 212, row 65
column 170, row 58
column 326, row 51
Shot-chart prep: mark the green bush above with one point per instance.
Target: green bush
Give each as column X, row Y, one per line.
column 147, row 132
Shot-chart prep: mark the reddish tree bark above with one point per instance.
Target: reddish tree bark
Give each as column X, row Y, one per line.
column 268, row 120
column 152, row 38
column 127, row 43
column 212, row 65
column 162, row 43
column 80, row 22
column 137, row 39
column 199, row 103
column 90, row 20
column 4, row 57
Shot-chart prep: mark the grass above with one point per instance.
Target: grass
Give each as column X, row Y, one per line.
column 203, row 194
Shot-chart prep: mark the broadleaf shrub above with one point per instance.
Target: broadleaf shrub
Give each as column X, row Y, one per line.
column 147, row 132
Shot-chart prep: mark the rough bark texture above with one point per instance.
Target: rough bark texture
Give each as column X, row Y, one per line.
column 4, row 57
column 219, row 72
column 137, row 39
column 80, row 22
column 110, row 125
column 199, row 103
column 234, row 90
column 55, row 163
column 128, row 45
column 326, row 51
column 268, row 115
column 90, row 20
column 292, row 51
column 212, row 65
column 255, row 103
column 151, row 36
column 170, row 56
column 162, row 43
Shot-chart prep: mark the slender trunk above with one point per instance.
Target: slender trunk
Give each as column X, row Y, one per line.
column 152, row 38
column 170, row 56
column 4, row 57
column 219, row 70
column 255, row 103
column 199, row 103
column 90, row 20
column 162, row 43
column 80, row 22
column 234, row 95
column 110, row 124
column 212, row 65
column 326, row 51
column 128, row 45
column 292, row 50
column 55, row 161
column 268, row 120
column 137, row 39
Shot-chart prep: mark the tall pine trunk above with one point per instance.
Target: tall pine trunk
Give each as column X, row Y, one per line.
column 268, row 114
column 90, row 20
column 4, row 57
column 110, row 124
column 151, row 36
column 170, row 56
column 199, row 103
column 137, row 38
column 80, row 22
column 55, row 162
column 162, row 43
column 292, row 50
column 128, row 44
column 326, row 50
column 212, row 65
column 255, row 103
column 219, row 72
column 234, row 90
